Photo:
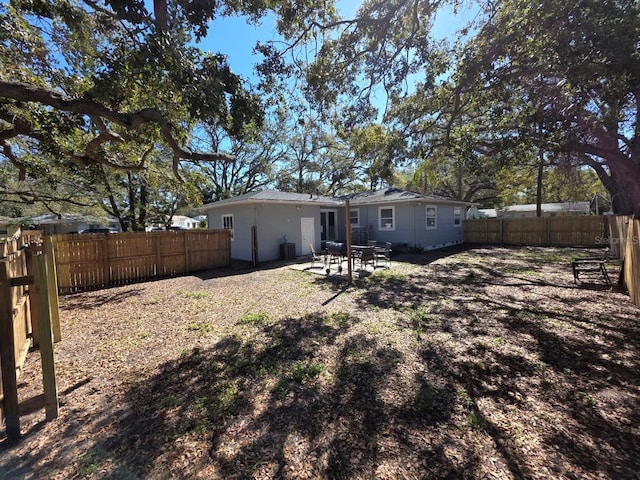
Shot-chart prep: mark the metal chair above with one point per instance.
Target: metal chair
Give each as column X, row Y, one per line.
column 384, row 255
column 365, row 256
column 316, row 257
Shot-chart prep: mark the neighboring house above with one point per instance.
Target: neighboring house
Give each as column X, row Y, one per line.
column 184, row 222
column 8, row 227
column 269, row 225
column 475, row 213
column 548, row 210
column 69, row 223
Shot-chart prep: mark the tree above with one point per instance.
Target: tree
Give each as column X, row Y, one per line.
column 579, row 63
column 79, row 77
column 576, row 65
column 256, row 156
column 376, row 150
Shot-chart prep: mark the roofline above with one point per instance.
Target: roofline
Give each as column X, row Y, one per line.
column 249, row 201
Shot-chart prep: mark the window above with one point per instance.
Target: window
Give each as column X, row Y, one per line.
column 227, row 223
column 457, row 216
column 386, row 214
column 354, row 216
column 432, row 212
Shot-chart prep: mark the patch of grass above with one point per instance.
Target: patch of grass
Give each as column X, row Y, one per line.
column 90, row 462
column 464, row 398
column 253, row 319
column 339, row 319
column 527, row 271
column 299, row 373
column 142, row 335
column 208, row 410
column 374, row 329
column 385, row 277
column 194, row 295
column 420, row 318
column 477, row 422
column 587, row 399
column 200, row 327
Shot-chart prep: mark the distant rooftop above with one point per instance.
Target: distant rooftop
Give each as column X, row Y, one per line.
column 550, row 207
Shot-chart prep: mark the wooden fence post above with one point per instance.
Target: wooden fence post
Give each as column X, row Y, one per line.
column 51, row 405
column 8, row 356
column 33, row 299
column 52, row 288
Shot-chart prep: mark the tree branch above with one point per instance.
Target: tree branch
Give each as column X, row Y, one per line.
column 98, row 113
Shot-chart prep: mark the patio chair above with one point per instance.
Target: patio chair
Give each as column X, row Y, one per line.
column 316, row 257
column 384, row 255
column 372, row 243
column 365, row 256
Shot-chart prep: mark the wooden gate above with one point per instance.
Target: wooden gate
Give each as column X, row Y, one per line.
column 28, row 308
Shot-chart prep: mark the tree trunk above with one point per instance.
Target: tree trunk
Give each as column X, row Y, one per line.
column 539, row 185
column 624, row 185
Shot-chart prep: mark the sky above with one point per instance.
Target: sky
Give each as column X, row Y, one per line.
column 236, row 39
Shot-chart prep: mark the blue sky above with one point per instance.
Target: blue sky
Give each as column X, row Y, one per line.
column 235, row 38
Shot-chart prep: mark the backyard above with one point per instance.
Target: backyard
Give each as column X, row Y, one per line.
column 464, row 363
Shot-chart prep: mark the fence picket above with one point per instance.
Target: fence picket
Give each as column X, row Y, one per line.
column 588, row 231
column 91, row 261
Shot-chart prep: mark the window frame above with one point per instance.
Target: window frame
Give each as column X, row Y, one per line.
column 393, row 219
column 427, row 217
column 225, row 227
column 357, row 212
column 457, row 216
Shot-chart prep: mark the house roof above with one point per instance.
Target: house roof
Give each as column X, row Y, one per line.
column 390, row 195
column 51, row 219
column 273, row 196
column 396, row 195
column 550, row 207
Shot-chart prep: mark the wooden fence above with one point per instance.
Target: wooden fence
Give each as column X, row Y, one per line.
column 629, row 246
column 91, row 261
column 28, row 312
column 587, row 231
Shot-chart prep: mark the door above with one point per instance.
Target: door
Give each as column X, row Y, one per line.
column 328, row 225
column 308, row 227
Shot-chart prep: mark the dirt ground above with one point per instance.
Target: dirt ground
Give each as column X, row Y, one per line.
column 482, row 363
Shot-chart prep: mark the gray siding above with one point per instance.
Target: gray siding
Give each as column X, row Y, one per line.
column 410, row 225
column 273, row 222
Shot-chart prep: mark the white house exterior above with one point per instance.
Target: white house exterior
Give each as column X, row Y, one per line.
column 269, row 224
column 184, row 222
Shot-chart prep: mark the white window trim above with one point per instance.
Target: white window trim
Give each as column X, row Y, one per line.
column 393, row 219
column 435, row 217
column 233, row 224
column 459, row 224
column 357, row 210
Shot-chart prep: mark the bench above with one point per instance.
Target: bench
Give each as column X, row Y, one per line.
column 592, row 266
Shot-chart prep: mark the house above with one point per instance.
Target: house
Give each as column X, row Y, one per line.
column 8, row 227
column 70, row 223
column 548, row 210
column 475, row 213
column 184, row 222
column 269, row 225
